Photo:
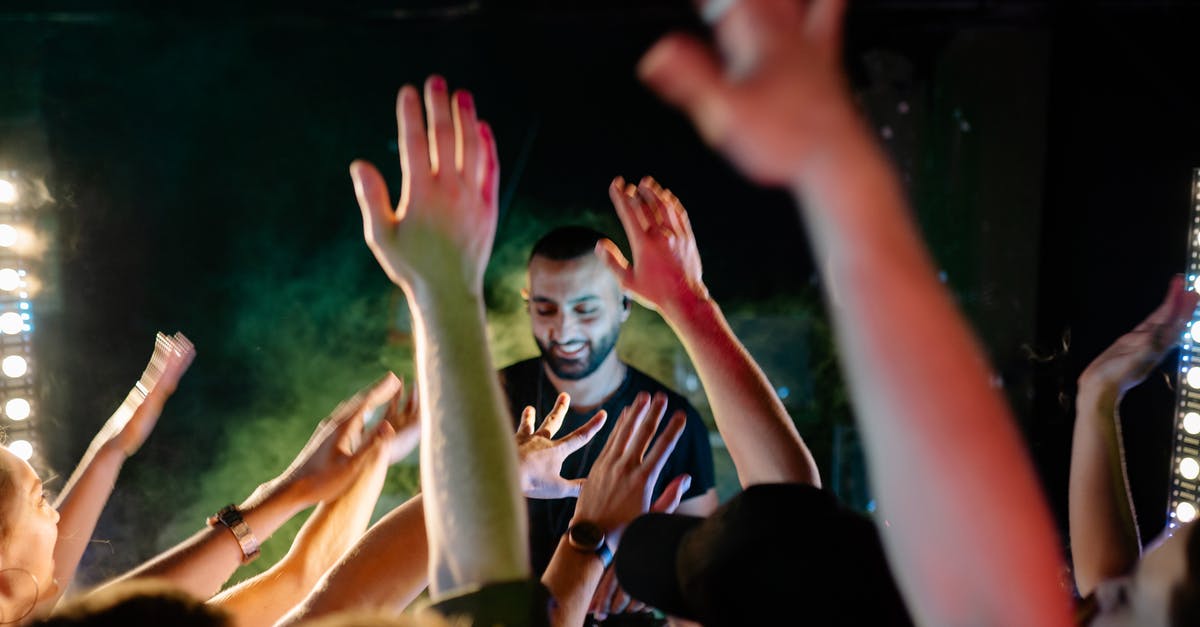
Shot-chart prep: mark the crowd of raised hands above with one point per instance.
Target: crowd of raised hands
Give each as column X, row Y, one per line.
column 968, row 541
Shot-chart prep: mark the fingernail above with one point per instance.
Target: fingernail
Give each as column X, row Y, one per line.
column 465, row 100
column 686, row 484
column 437, row 82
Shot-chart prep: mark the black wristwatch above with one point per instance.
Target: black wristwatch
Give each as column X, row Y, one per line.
column 588, row 537
column 231, row 517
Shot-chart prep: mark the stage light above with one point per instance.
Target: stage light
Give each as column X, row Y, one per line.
column 1185, row 512
column 9, row 279
column 22, row 449
column 1193, row 375
column 14, row 366
column 1189, row 468
column 17, row 409
column 11, row 323
column 8, row 236
column 8, row 192
column 1191, row 423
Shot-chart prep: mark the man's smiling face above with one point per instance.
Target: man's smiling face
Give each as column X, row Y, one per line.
column 576, row 309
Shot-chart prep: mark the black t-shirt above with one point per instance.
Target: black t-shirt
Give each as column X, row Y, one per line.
column 525, row 383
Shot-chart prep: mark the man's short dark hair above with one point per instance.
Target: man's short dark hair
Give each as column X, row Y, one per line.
column 567, row 242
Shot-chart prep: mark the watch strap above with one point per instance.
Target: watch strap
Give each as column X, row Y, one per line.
column 231, row 517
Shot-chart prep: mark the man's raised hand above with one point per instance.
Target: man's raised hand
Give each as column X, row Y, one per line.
column 778, row 96
column 666, row 265
column 443, row 228
column 540, row 456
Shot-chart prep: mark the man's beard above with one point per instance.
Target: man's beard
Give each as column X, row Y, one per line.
column 576, row 369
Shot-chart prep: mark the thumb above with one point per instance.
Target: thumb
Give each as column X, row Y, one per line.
column 373, row 199
column 672, row 494
column 611, row 255
column 686, row 74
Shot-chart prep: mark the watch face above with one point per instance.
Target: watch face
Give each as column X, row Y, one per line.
column 586, row 535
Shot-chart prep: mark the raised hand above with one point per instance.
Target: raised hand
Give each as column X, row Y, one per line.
column 780, row 94
column 133, row 421
column 666, row 263
column 443, row 227
column 540, row 456
column 334, row 454
column 1128, row 361
column 621, row 483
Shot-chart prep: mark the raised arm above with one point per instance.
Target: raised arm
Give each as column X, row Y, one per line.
column 666, row 276
column 618, row 489
column 326, row 465
column 945, row 457
column 435, row 246
column 385, row 570
column 332, row 529
column 1104, row 536
column 81, row 501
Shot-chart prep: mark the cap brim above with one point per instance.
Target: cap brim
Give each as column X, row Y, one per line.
column 646, row 561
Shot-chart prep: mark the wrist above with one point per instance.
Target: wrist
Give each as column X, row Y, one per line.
column 691, row 306
column 282, row 495
column 591, row 538
column 845, row 145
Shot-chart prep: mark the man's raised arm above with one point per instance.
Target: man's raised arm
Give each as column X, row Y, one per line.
column 945, row 457
column 435, row 246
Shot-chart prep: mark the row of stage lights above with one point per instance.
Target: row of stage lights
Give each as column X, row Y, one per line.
column 16, row 319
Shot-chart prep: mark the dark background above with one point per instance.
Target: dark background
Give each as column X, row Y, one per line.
column 197, row 157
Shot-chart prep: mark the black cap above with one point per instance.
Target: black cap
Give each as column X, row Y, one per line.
column 773, row 552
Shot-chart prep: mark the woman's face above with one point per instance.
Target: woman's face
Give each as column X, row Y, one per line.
column 32, row 526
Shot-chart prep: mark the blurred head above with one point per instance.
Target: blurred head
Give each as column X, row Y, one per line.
column 1163, row 590
column 575, row 304
column 137, row 602
column 28, row 531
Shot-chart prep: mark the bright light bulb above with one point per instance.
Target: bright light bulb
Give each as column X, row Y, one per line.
column 22, row 449
column 8, row 192
column 11, row 323
column 17, row 409
column 1185, row 512
column 1196, row 284
column 9, row 279
column 1193, row 374
column 8, row 235
column 1189, row 468
column 14, row 366
column 1191, row 423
